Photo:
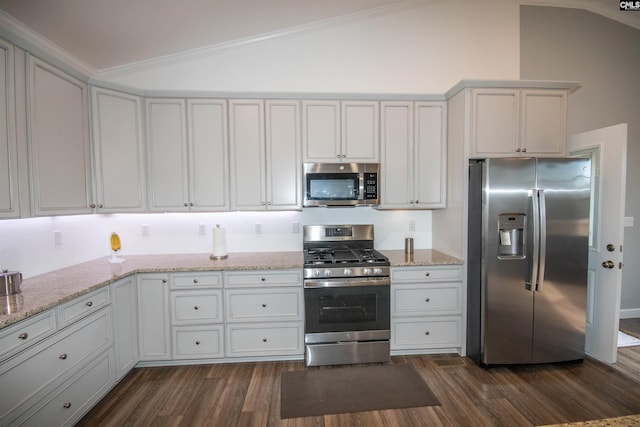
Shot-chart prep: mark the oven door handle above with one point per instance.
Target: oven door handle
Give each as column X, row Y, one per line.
column 341, row 283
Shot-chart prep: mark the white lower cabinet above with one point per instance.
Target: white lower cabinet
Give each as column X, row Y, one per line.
column 154, row 340
column 197, row 330
column 125, row 325
column 33, row 375
column 264, row 313
column 426, row 309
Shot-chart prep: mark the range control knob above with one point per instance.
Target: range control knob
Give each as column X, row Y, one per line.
column 377, row 271
column 316, row 272
column 366, row 271
column 347, row 272
column 327, row 272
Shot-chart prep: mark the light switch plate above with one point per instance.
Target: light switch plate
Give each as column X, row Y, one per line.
column 628, row 221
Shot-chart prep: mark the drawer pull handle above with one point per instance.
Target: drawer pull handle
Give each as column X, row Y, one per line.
column 264, row 340
column 197, row 342
column 67, row 405
column 427, row 299
column 195, row 307
column 264, row 305
column 23, row 336
column 195, row 280
column 89, row 303
column 427, row 274
column 427, row 333
column 63, row 356
column 264, row 279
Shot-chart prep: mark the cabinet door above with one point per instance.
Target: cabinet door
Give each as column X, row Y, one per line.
column 430, row 155
column 208, row 158
column 360, row 134
column 118, row 151
column 59, row 141
column 284, row 174
column 125, row 319
column 321, row 131
column 167, row 152
column 153, row 317
column 494, row 127
column 543, row 128
column 396, row 186
column 246, row 132
column 9, row 207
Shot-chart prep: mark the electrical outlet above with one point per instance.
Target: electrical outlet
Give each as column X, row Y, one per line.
column 628, row 221
column 202, row 229
column 258, row 228
column 57, row 238
column 295, row 227
column 144, row 230
column 412, row 225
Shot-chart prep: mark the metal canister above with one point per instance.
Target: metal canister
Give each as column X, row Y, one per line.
column 10, row 282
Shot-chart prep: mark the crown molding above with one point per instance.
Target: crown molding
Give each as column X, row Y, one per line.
column 31, row 41
column 610, row 10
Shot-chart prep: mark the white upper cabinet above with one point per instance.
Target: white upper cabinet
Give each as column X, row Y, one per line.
column 413, row 146
column 59, row 148
column 9, row 207
column 265, row 154
column 336, row 131
column 518, row 122
column 118, row 151
column 187, row 151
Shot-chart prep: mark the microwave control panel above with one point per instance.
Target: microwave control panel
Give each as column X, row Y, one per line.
column 370, row 185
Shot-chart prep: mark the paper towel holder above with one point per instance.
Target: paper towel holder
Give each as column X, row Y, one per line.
column 218, row 257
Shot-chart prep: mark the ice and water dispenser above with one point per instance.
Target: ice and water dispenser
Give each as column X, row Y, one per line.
column 511, row 228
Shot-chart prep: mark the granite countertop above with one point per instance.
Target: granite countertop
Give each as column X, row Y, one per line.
column 48, row 290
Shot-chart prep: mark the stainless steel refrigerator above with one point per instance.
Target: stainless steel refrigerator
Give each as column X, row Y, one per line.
column 528, row 257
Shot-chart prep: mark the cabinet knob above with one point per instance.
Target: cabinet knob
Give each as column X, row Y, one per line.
column 264, row 340
column 263, row 203
column 264, row 279
column 268, row 203
column 89, row 303
column 427, row 332
column 164, row 280
column 191, row 204
column 197, row 342
column 23, row 336
column 264, row 305
column 417, row 201
column 100, row 205
column 427, row 299
column 92, row 205
column 524, row 150
column 195, row 280
column 517, row 150
column 410, row 202
column 66, row 405
column 427, row 274
column 186, row 204
column 195, row 307
column 63, row 356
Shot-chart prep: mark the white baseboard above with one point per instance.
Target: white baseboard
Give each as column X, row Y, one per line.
column 629, row 313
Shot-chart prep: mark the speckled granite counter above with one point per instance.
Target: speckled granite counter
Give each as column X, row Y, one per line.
column 421, row 257
column 42, row 292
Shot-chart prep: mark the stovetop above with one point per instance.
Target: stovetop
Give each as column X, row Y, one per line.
column 343, row 256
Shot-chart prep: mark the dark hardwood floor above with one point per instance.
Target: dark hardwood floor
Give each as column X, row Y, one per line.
column 248, row 394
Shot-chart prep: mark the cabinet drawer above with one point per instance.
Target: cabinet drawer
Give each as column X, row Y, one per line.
column 251, row 305
column 21, row 335
column 424, row 334
column 196, row 307
column 200, row 280
column 33, row 371
column 275, row 339
column 196, row 342
column 77, row 396
column 264, row 278
column 86, row 304
column 425, row 274
column 415, row 300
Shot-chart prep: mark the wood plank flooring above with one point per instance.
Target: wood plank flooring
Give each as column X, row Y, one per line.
column 248, row 394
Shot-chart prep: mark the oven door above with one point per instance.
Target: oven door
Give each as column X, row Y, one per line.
column 339, row 309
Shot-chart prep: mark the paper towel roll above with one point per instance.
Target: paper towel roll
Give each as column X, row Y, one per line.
column 219, row 242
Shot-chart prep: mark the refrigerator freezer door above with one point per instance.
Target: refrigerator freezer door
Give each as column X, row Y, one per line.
column 508, row 303
column 560, row 302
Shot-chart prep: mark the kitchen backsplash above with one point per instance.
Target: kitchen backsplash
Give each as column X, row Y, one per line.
column 38, row 245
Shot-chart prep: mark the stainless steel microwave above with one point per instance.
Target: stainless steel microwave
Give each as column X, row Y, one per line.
column 341, row 184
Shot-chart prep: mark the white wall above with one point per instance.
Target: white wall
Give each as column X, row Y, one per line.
column 425, row 48
column 27, row 245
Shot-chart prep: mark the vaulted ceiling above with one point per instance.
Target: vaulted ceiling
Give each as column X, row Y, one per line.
column 109, row 33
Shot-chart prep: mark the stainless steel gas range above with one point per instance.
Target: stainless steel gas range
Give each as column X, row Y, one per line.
column 347, row 296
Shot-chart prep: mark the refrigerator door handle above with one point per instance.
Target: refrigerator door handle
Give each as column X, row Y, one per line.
column 533, row 278
column 542, row 239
